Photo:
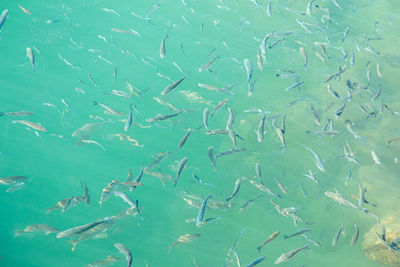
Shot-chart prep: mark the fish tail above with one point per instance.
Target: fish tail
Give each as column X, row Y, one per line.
column 259, row 249
column 18, row 233
column 74, row 243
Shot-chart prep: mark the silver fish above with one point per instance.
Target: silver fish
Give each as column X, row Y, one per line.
column 181, row 165
column 126, row 252
column 200, row 215
column 30, row 56
column 207, row 65
column 183, row 140
column 211, row 156
column 337, row 235
column 269, row 239
column 288, row 255
column 125, row 198
column 128, row 122
column 318, row 161
column 37, row 228
column 235, row 189
column 297, row 233
column 172, row 86
column 206, row 113
column 260, row 129
column 294, row 86
column 3, row 17
column 355, row 236
column 231, row 119
column 162, row 46
column 304, row 54
column 81, row 229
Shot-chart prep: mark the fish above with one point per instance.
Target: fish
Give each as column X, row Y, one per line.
column 269, row 239
column 309, row 6
column 12, row 180
column 294, row 86
column 261, row 186
column 162, row 117
column 181, row 165
column 317, row 159
column 337, row 235
column 81, row 229
column 16, row 113
column 346, row 32
column 207, row 65
column 32, row 125
column 230, row 151
column 30, row 56
column 172, row 86
column 211, row 156
column 162, row 47
column 231, row 119
column 126, row 252
column 206, row 113
column 288, row 255
column 3, row 17
column 258, row 171
column 340, row 110
column 336, row 196
column 302, row 231
column 375, row 157
column 283, row 188
column 125, row 198
column 202, row 210
column 317, row 120
column 304, row 55
column 219, row 106
column 260, row 62
column 128, row 122
column 110, row 260
column 235, row 189
column 248, row 202
column 37, row 228
column 97, row 232
column 249, row 71
column 355, row 236
column 110, row 110
column 260, row 129
column 184, row 139
column 256, row 261
column 183, row 239
column 269, row 9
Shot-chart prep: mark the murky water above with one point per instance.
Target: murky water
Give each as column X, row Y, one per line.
column 97, row 55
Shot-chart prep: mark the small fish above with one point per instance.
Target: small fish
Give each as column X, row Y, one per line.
column 184, row 239
column 304, row 54
column 375, row 157
column 269, row 239
column 206, row 113
column 283, row 188
column 249, row 70
column 163, row 117
column 3, row 17
column 348, row 177
column 256, row 261
column 104, row 262
column 30, row 56
column 306, row 230
column 288, row 255
column 32, row 125
column 231, row 119
column 172, row 86
column 219, row 106
column 318, row 161
column 81, row 229
column 355, row 236
column 337, row 235
column 125, row 198
column 235, row 189
column 207, row 65
column 181, row 165
column 269, row 8
column 260, row 62
column 294, row 86
column 183, row 140
column 128, row 122
column 162, row 47
column 200, row 215
column 211, row 156
column 248, row 202
column 260, row 129
column 317, row 120
column 126, row 252
column 37, row 228
column 309, row 6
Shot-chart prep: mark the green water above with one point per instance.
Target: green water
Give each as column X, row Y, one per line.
column 56, row 163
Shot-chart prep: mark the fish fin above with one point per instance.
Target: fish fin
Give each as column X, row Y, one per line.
column 74, row 243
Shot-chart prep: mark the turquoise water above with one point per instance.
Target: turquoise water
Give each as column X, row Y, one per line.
column 79, row 59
